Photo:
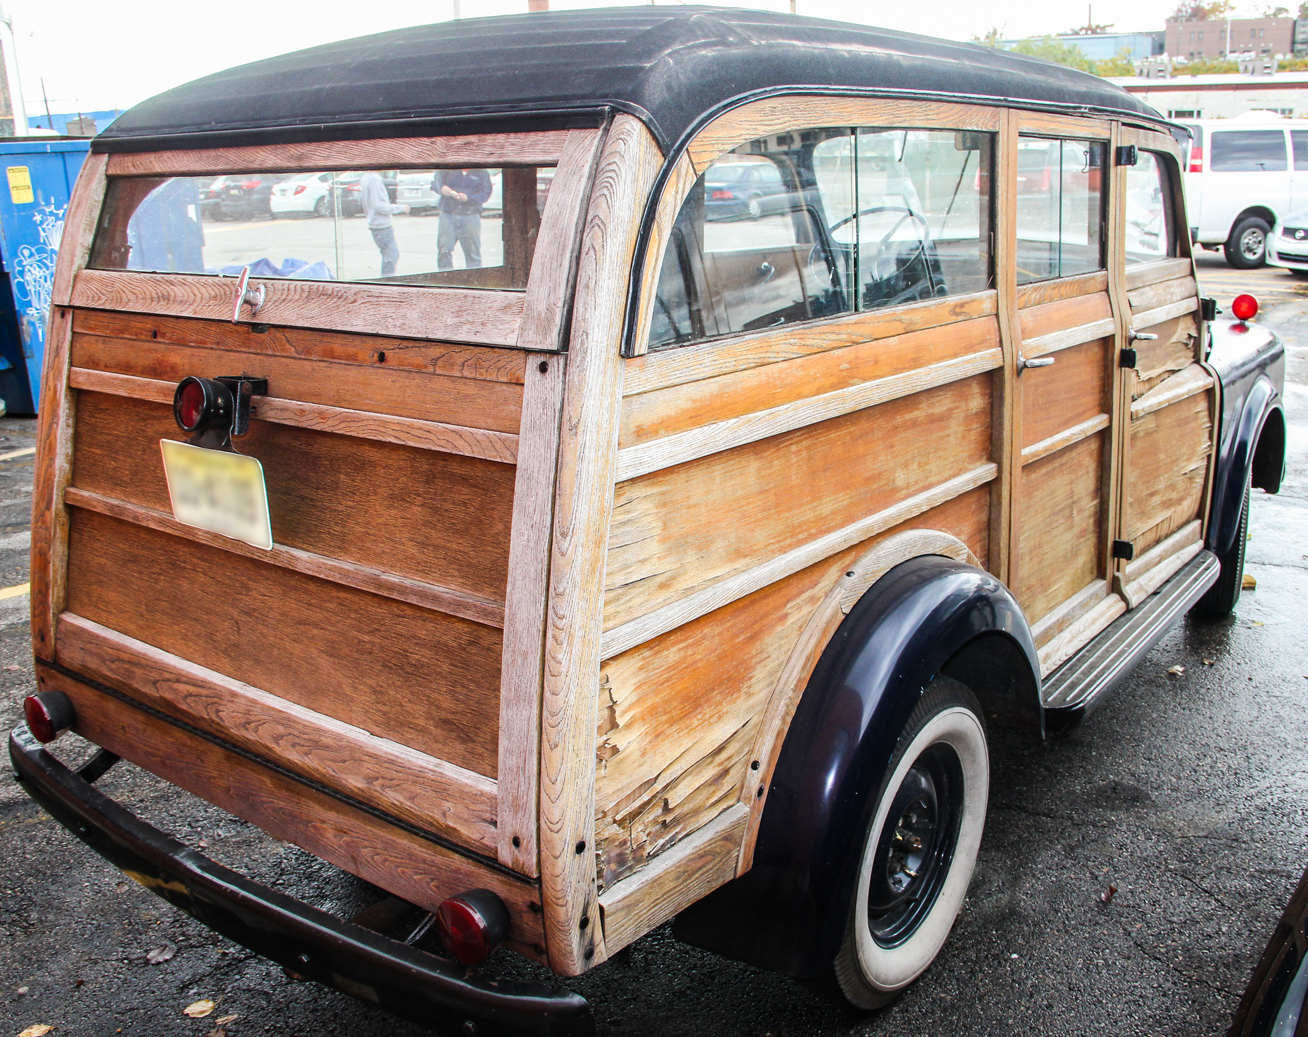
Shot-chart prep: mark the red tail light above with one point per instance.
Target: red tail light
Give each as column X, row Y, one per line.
column 249, row 185
column 1196, row 159
column 472, row 924
column 48, row 714
column 1244, row 307
column 720, row 195
column 299, row 189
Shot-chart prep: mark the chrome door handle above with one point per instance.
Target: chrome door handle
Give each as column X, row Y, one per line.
column 1040, row 361
column 246, row 295
column 1143, row 336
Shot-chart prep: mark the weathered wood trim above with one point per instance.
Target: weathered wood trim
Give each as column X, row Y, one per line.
column 1140, row 274
column 669, row 617
column 674, row 194
column 1059, row 618
column 80, row 221
column 474, row 315
column 348, row 574
column 554, row 262
column 1037, row 293
column 1066, row 339
column 543, row 147
column 1180, row 386
column 1065, row 645
column 1065, row 438
column 342, row 834
column 675, row 879
column 1152, row 140
column 524, row 615
column 723, row 356
column 1113, row 490
column 1006, row 437
column 1146, row 574
column 803, row 657
column 583, row 505
column 1148, row 318
column 1047, row 124
column 777, row 114
column 425, row 435
column 1164, row 549
column 657, row 454
column 1160, row 293
column 430, row 793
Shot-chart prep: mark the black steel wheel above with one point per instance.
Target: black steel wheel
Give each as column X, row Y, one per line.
column 1219, row 599
column 919, row 849
column 1246, row 248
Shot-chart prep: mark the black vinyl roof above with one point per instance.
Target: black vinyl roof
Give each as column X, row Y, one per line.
column 671, row 66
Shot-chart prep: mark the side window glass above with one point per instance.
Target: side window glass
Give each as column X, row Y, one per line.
column 818, row 222
column 1249, row 151
column 1299, row 138
column 1150, row 226
column 1060, row 210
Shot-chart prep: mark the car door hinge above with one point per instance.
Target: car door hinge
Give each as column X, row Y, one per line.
column 1208, row 309
column 1128, row 358
column 1123, row 549
column 1127, row 155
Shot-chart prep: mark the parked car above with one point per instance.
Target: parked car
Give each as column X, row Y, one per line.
column 1287, row 245
column 1240, row 181
column 308, row 194
column 414, row 189
column 663, row 566
column 244, row 197
column 750, row 188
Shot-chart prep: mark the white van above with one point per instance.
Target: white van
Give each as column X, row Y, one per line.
column 1241, row 176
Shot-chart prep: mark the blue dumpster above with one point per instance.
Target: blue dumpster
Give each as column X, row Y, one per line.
column 36, row 177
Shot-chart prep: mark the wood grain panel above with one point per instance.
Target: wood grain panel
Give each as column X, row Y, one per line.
column 1037, row 293
column 680, row 726
column 1050, row 124
column 80, row 219
column 471, row 315
column 450, row 400
column 665, row 412
column 667, row 535
column 1139, row 274
column 419, row 789
column 426, row 435
column 1053, row 317
column 1060, row 535
column 1169, row 466
column 438, row 518
column 1160, row 359
column 396, row 860
column 793, row 341
column 541, row 147
column 692, row 869
column 778, row 114
column 416, row 677
column 1185, row 382
column 1160, row 293
column 1072, row 391
column 480, row 363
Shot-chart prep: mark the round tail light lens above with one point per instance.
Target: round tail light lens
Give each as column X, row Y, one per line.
column 200, row 404
column 48, row 714
column 1244, row 307
column 472, row 924
column 190, row 404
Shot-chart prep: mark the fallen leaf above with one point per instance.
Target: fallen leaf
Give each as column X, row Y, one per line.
column 1209, row 662
column 226, row 1019
column 13, row 669
column 1176, row 671
column 1107, row 895
column 23, row 990
column 203, row 844
column 160, row 954
column 1248, row 583
column 199, row 1009
column 39, row 1030
column 1255, row 623
column 217, row 1031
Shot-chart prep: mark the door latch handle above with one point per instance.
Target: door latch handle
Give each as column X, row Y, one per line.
column 1040, row 361
column 246, row 295
column 766, row 271
column 1143, row 336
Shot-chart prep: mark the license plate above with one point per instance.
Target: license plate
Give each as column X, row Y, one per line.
column 222, row 492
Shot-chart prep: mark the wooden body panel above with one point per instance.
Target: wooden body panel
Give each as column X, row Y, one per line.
column 1170, row 450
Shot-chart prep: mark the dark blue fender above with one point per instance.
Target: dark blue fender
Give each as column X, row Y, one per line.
column 926, row 616
column 1250, row 360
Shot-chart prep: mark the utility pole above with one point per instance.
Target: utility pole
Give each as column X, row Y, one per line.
column 456, row 10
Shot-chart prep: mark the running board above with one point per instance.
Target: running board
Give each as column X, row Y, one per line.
column 1077, row 686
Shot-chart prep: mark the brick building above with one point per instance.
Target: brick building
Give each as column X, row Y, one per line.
column 1207, row 39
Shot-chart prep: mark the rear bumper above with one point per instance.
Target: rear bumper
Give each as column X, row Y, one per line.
column 411, row 983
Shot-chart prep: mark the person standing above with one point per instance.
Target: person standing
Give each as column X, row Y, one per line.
column 379, row 209
column 463, row 192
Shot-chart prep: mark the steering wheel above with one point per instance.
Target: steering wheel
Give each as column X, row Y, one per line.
column 910, row 215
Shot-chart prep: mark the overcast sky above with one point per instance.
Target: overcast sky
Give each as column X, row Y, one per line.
column 103, row 54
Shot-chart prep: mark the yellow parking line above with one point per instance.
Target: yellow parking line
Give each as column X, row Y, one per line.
column 15, row 592
column 18, row 453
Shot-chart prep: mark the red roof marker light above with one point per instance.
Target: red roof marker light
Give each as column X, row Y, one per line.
column 1244, row 307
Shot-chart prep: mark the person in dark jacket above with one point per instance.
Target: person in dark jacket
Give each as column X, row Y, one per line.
column 463, row 192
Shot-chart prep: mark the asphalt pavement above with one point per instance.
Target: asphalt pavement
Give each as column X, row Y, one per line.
column 1130, row 874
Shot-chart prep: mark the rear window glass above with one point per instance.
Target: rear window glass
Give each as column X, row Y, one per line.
column 1299, row 138
column 1060, row 208
column 468, row 227
column 1248, row 151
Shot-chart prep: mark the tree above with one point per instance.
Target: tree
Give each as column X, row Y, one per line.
column 1199, row 11
column 995, row 33
column 1274, row 12
column 1055, row 50
column 1094, row 29
column 1121, row 64
column 1303, row 9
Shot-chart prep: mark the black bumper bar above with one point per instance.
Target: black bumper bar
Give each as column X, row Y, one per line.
column 411, row 983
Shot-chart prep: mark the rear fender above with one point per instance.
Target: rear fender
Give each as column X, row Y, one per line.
column 787, row 912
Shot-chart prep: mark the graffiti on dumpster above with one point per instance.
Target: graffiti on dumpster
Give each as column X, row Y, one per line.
column 34, row 274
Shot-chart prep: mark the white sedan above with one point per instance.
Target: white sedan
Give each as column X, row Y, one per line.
column 309, row 194
column 1287, row 244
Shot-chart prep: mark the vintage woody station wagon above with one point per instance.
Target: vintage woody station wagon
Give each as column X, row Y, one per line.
column 652, row 533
